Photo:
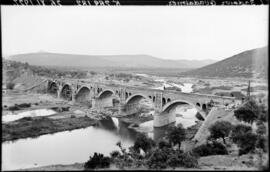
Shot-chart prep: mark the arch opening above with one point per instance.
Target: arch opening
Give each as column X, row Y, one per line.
column 66, row 92
column 204, row 107
column 108, row 99
column 52, row 88
column 138, row 103
column 83, row 96
column 163, row 101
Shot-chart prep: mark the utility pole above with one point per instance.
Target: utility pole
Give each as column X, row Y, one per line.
column 248, row 90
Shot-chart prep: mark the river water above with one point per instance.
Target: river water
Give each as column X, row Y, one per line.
column 69, row 147
column 33, row 113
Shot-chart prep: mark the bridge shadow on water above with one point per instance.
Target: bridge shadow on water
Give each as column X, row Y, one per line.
column 121, row 128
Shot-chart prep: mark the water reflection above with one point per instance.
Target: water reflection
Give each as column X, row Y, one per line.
column 66, row 147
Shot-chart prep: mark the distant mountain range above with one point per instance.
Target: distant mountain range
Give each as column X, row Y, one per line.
column 133, row 61
column 251, row 63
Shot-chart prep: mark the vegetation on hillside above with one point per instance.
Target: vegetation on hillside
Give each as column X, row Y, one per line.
column 252, row 63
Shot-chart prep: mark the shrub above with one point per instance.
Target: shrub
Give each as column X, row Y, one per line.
column 115, row 154
column 174, row 161
column 261, row 143
column 214, row 148
column 188, row 160
column 157, row 160
column 239, row 131
column 143, row 142
column 220, row 129
column 163, row 144
column 10, row 85
column 247, row 143
column 97, row 161
column 261, row 130
column 24, row 105
column 13, row 108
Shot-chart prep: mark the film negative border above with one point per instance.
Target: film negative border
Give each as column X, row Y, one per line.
column 135, row 2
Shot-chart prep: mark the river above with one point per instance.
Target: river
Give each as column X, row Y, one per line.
column 69, row 147
column 33, row 113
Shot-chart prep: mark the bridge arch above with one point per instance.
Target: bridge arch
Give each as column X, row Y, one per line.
column 108, row 98
column 66, row 92
column 105, row 93
column 172, row 104
column 83, row 94
column 136, row 98
column 132, row 103
column 52, row 87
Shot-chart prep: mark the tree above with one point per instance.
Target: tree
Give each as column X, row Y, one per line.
column 239, row 131
column 176, row 135
column 242, row 135
column 249, row 112
column 220, row 129
column 143, row 142
column 247, row 143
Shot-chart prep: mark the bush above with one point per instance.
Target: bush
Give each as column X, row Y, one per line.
column 188, row 160
column 13, row 108
column 157, row 160
column 97, row 161
column 261, row 130
column 10, row 85
column 261, row 143
column 24, row 105
column 143, row 142
column 239, row 131
column 164, row 144
column 214, row 148
column 246, row 142
column 115, row 154
column 174, row 161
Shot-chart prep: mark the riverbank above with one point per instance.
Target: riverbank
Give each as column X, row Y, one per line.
column 37, row 126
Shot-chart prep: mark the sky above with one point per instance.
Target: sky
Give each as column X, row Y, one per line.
column 183, row 32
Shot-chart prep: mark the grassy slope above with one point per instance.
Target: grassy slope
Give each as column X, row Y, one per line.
column 252, row 63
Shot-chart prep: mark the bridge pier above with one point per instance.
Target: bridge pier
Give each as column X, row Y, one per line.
column 163, row 119
column 121, row 109
column 96, row 104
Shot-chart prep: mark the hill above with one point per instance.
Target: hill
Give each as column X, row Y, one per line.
column 134, row 61
column 20, row 74
column 251, row 63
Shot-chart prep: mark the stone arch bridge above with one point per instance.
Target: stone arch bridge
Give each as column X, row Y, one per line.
column 102, row 95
